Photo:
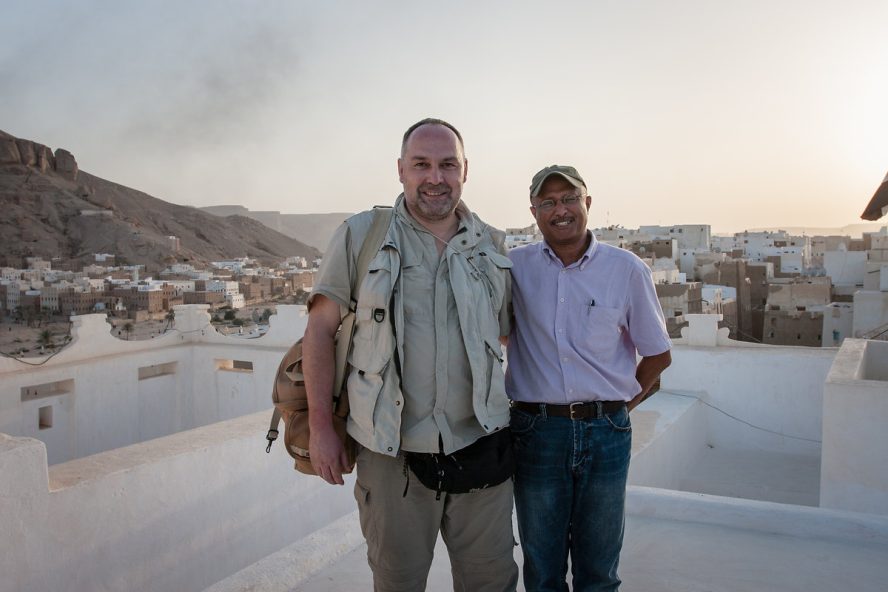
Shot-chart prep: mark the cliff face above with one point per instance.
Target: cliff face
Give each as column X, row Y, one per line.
column 15, row 151
column 52, row 209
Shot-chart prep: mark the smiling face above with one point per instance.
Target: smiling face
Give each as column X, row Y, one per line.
column 563, row 226
column 432, row 170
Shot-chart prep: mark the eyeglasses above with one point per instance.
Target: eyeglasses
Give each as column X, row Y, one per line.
column 567, row 201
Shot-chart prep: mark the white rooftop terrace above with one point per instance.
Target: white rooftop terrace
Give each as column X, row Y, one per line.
column 755, row 467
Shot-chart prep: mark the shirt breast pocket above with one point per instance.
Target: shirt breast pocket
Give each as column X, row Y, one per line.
column 601, row 328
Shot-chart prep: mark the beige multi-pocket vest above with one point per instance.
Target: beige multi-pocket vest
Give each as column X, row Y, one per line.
column 478, row 277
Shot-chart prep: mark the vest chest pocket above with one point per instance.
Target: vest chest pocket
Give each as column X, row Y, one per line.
column 373, row 341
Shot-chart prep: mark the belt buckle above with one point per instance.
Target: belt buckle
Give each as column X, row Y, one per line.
column 573, row 409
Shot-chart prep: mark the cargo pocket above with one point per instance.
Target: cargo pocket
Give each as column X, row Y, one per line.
column 363, row 396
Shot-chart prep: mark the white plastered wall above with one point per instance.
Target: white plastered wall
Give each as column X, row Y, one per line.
column 855, row 411
column 175, row 513
column 105, row 403
column 777, row 388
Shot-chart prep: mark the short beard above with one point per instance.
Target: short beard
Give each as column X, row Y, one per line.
column 439, row 210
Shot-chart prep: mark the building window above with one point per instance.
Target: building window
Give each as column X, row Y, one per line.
column 48, row 389
column 234, row 365
column 44, row 417
column 146, row 372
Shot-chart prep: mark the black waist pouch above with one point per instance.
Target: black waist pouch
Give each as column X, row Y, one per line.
column 484, row 463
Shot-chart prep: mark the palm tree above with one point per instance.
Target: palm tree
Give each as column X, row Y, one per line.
column 128, row 328
column 45, row 339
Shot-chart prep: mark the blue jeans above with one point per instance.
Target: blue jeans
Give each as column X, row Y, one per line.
column 570, row 493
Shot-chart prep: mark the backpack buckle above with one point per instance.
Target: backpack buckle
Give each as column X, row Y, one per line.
column 271, row 436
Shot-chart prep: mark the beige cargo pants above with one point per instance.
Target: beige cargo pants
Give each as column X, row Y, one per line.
column 401, row 531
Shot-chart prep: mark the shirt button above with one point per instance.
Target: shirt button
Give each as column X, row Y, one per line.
column 563, row 359
column 570, row 391
column 561, row 330
column 562, row 300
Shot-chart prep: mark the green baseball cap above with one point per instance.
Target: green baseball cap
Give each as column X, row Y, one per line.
column 569, row 173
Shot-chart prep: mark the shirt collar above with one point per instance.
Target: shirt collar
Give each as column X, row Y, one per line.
column 468, row 230
column 552, row 258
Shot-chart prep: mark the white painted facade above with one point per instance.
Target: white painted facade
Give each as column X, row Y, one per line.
column 838, row 323
column 855, row 447
column 688, row 236
column 876, row 276
column 715, row 297
column 688, row 259
column 870, row 311
column 845, row 267
column 235, row 301
column 228, row 288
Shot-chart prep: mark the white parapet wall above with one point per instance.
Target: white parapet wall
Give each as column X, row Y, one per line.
column 853, row 473
column 174, row 513
column 101, row 393
column 669, row 431
column 776, row 388
column 103, row 486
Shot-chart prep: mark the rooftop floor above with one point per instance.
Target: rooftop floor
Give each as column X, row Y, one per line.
column 665, row 555
column 757, row 475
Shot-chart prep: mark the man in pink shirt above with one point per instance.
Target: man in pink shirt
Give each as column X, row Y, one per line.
column 583, row 312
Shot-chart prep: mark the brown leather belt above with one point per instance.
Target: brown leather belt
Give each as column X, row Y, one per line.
column 583, row 410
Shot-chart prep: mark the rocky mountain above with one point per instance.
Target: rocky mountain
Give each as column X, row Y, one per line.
column 51, row 209
column 312, row 229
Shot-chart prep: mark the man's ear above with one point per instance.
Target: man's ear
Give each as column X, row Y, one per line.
column 465, row 169
column 400, row 172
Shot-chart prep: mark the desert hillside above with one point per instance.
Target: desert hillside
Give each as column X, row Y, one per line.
column 51, row 209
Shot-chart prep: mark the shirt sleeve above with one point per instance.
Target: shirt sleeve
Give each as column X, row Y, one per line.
column 333, row 276
column 647, row 327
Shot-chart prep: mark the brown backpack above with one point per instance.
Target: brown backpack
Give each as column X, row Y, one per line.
column 288, row 393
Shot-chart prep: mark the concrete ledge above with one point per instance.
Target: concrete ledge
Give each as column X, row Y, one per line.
column 174, row 513
column 768, row 517
column 285, row 570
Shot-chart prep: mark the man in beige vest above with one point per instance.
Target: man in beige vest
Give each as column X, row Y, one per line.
column 425, row 375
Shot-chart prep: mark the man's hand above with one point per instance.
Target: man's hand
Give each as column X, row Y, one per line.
column 649, row 369
column 328, row 455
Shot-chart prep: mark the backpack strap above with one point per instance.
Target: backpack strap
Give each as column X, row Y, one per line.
column 382, row 218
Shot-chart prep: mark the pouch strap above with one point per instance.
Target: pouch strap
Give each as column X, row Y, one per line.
column 272, row 434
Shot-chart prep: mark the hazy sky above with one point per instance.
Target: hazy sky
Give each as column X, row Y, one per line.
column 739, row 115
